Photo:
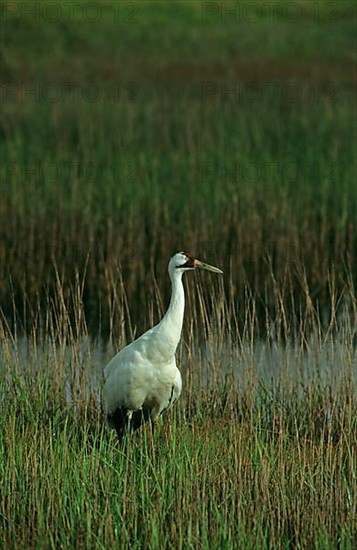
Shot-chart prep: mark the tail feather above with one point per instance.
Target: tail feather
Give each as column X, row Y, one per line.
column 119, row 420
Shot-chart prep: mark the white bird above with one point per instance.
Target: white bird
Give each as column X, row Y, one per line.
column 142, row 380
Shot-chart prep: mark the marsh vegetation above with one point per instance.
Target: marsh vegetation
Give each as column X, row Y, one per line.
column 260, row 451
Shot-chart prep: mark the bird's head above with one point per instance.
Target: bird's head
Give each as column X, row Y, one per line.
column 184, row 262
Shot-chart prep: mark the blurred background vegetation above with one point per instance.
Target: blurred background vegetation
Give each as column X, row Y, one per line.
column 132, row 130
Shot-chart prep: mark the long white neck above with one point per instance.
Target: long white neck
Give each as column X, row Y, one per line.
column 171, row 324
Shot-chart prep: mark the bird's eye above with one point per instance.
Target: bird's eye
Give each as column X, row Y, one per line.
column 189, row 262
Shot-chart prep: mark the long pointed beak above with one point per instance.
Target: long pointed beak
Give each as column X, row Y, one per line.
column 207, row 267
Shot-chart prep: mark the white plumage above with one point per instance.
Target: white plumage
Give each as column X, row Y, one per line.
column 142, row 380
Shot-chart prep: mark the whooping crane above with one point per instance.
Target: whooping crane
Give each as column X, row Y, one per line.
column 142, row 380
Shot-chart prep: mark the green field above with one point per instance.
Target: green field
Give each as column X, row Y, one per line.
column 132, row 130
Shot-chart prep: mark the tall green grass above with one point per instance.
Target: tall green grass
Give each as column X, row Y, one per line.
column 260, row 451
column 155, row 166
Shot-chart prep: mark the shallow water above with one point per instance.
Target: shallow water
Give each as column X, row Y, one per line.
column 204, row 365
